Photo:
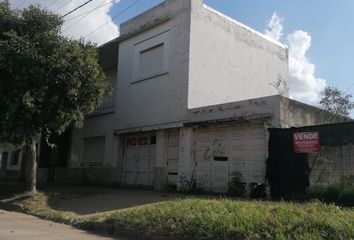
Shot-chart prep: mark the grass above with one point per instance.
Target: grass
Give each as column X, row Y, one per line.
column 340, row 194
column 203, row 219
column 227, row 219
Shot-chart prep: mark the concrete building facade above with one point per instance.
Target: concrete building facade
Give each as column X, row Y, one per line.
column 195, row 92
column 173, row 59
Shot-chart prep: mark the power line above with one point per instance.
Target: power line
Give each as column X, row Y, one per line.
column 66, row 14
column 85, row 14
column 99, row 6
column 114, row 17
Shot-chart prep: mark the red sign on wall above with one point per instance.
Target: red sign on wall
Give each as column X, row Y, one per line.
column 306, row 142
column 131, row 141
column 143, row 141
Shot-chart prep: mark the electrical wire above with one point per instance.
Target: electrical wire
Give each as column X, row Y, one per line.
column 100, row 6
column 70, row 12
column 85, row 14
column 114, row 17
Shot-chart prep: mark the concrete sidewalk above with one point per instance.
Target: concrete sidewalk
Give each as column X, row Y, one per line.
column 17, row 226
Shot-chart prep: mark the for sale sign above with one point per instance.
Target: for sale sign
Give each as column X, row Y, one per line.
column 306, row 142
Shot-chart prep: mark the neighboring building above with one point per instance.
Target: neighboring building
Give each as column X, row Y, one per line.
column 195, row 92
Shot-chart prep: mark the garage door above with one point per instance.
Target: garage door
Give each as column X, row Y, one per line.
column 139, row 159
column 222, row 150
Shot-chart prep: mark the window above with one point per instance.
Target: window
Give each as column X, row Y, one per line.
column 3, row 160
column 153, row 140
column 151, row 61
column 94, row 148
column 14, row 158
column 151, row 57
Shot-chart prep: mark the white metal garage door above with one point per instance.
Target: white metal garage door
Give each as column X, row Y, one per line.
column 139, row 159
column 172, row 157
column 222, row 150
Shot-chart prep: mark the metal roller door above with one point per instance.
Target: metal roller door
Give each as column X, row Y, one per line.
column 222, row 150
column 139, row 159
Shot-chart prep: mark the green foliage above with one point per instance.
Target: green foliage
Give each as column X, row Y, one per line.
column 339, row 194
column 336, row 101
column 200, row 218
column 47, row 82
column 236, row 187
column 189, row 185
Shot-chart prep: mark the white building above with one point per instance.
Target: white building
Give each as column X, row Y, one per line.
column 195, row 92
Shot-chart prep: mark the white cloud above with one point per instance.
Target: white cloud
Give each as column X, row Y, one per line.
column 304, row 85
column 275, row 27
column 87, row 24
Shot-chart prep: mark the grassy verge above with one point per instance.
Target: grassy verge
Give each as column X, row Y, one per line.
column 207, row 219
column 226, row 219
column 341, row 195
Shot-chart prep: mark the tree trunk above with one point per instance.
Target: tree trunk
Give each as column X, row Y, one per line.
column 31, row 167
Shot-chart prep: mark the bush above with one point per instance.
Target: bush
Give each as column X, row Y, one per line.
column 236, row 186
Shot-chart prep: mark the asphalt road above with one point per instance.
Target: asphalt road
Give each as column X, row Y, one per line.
column 18, row 226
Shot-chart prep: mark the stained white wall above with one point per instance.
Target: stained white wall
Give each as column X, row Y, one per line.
column 209, row 59
column 156, row 99
column 230, row 62
column 97, row 126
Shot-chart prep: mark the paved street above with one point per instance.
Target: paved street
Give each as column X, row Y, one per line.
column 17, row 226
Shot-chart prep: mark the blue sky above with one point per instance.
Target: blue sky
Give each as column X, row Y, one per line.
column 328, row 22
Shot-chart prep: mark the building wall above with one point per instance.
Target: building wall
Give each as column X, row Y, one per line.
column 11, row 151
column 108, row 104
column 161, row 97
column 333, row 165
column 265, row 107
column 97, row 126
column 297, row 114
column 218, row 140
column 230, row 62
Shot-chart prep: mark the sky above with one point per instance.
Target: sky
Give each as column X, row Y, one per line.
column 319, row 33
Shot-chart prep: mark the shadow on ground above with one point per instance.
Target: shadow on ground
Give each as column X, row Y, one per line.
column 84, row 200
column 95, row 200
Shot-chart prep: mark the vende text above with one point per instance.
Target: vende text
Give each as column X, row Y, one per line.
column 306, row 142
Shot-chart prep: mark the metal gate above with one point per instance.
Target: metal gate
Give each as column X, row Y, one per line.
column 139, row 159
column 222, row 150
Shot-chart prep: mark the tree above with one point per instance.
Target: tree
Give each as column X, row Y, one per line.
column 336, row 101
column 47, row 82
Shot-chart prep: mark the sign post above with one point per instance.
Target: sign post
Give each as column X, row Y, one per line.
column 306, row 142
